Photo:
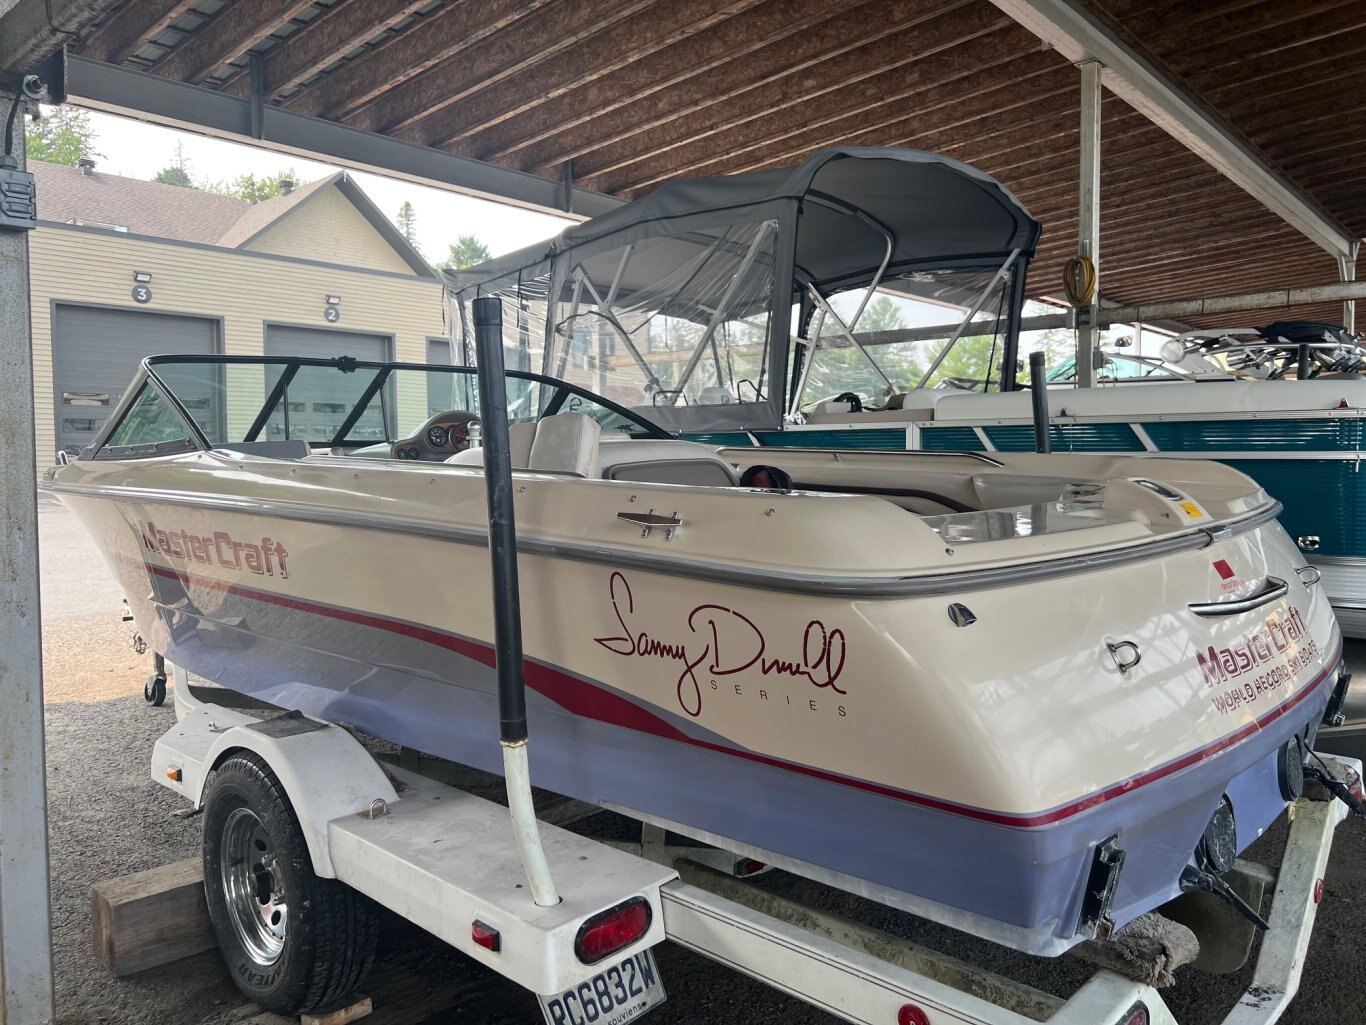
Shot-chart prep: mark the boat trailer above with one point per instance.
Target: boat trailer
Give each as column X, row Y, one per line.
column 449, row 861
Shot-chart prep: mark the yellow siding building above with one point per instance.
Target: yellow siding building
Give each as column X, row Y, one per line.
column 123, row 269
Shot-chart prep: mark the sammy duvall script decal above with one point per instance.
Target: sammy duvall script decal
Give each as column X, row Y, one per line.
column 716, row 641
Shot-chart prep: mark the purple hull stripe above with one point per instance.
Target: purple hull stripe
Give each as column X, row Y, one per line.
column 582, row 697
column 1023, row 886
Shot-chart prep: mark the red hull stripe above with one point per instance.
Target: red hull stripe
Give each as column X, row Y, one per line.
column 583, row 698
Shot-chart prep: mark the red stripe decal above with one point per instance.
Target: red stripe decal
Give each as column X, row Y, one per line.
column 590, row 701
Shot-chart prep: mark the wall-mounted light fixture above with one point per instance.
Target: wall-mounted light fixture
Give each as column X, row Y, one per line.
column 334, row 300
column 142, row 275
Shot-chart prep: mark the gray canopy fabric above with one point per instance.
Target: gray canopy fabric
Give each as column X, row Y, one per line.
column 834, row 215
column 941, row 212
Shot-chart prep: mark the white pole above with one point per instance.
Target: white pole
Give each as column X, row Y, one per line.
column 1347, row 271
column 1088, row 223
column 25, row 925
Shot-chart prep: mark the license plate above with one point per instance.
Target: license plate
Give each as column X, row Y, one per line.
column 614, row 996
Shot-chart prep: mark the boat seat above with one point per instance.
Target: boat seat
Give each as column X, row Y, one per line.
column 657, row 461
column 519, row 448
column 563, row 443
column 566, row 443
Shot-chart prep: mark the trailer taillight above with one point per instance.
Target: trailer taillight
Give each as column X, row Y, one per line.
column 611, row 930
column 486, row 936
column 1136, row 1015
column 909, row 1014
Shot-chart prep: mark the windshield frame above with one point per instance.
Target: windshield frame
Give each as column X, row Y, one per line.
column 147, row 377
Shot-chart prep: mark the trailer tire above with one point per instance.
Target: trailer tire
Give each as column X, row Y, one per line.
column 292, row 941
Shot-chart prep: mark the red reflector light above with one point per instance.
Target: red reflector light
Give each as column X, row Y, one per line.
column 1136, row 1015
column 485, row 936
column 608, row 931
column 909, row 1014
column 749, row 867
column 1318, row 891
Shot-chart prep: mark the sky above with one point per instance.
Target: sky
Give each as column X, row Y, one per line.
column 135, row 149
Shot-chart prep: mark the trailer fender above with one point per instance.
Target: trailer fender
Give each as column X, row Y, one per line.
column 325, row 771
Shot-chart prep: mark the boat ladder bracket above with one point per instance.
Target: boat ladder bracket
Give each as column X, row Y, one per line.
column 1094, row 921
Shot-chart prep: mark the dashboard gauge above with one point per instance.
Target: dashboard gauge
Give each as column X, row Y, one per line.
column 437, row 436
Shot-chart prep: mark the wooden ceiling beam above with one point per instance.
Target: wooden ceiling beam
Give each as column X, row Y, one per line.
column 614, row 47
column 445, row 33
column 131, row 27
column 1115, row 200
column 1227, row 31
column 1145, row 262
column 507, row 57
column 876, row 126
column 1140, row 19
column 1268, row 115
column 1079, row 34
column 1307, row 150
column 1282, row 74
column 734, row 82
column 926, row 56
column 226, row 36
column 1184, row 214
column 1319, row 39
column 1127, row 260
column 1015, row 160
column 790, row 141
column 1132, row 175
column 1221, row 281
column 699, row 55
column 325, row 39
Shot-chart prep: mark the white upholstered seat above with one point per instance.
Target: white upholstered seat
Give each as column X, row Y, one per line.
column 563, row 443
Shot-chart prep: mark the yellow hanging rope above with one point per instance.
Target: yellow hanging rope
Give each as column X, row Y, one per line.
column 1079, row 280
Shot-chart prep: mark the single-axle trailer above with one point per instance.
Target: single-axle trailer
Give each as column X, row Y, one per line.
column 304, row 828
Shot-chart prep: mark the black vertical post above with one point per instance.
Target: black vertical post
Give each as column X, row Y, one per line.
column 1014, row 310
column 493, row 416
column 1038, row 392
column 1302, row 370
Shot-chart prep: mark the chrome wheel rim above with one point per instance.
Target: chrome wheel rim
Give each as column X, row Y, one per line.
column 254, row 887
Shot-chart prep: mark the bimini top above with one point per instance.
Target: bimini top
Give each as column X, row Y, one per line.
column 730, row 255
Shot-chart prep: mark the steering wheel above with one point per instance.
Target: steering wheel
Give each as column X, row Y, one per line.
column 440, row 437
column 854, row 400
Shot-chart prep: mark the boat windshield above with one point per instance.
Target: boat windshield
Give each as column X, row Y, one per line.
column 927, row 329
column 340, row 403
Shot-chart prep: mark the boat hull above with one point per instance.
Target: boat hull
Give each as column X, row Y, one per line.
column 966, row 774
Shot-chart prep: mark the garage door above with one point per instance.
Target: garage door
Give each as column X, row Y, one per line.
column 95, row 353
column 314, row 411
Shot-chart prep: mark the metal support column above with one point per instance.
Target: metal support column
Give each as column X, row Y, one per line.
column 1347, row 271
column 1088, row 221
column 25, row 925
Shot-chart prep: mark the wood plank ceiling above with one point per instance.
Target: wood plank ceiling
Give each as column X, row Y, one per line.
column 632, row 93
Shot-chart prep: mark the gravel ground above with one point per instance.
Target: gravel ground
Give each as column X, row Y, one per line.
column 108, row 818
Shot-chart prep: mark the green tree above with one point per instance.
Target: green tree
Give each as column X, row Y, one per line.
column 62, row 136
column 177, row 172
column 173, row 175
column 969, row 362
column 882, row 314
column 466, row 251
column 407, row 223
column 251, row 189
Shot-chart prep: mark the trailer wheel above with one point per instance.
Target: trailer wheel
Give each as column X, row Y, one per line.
column 292, row 941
